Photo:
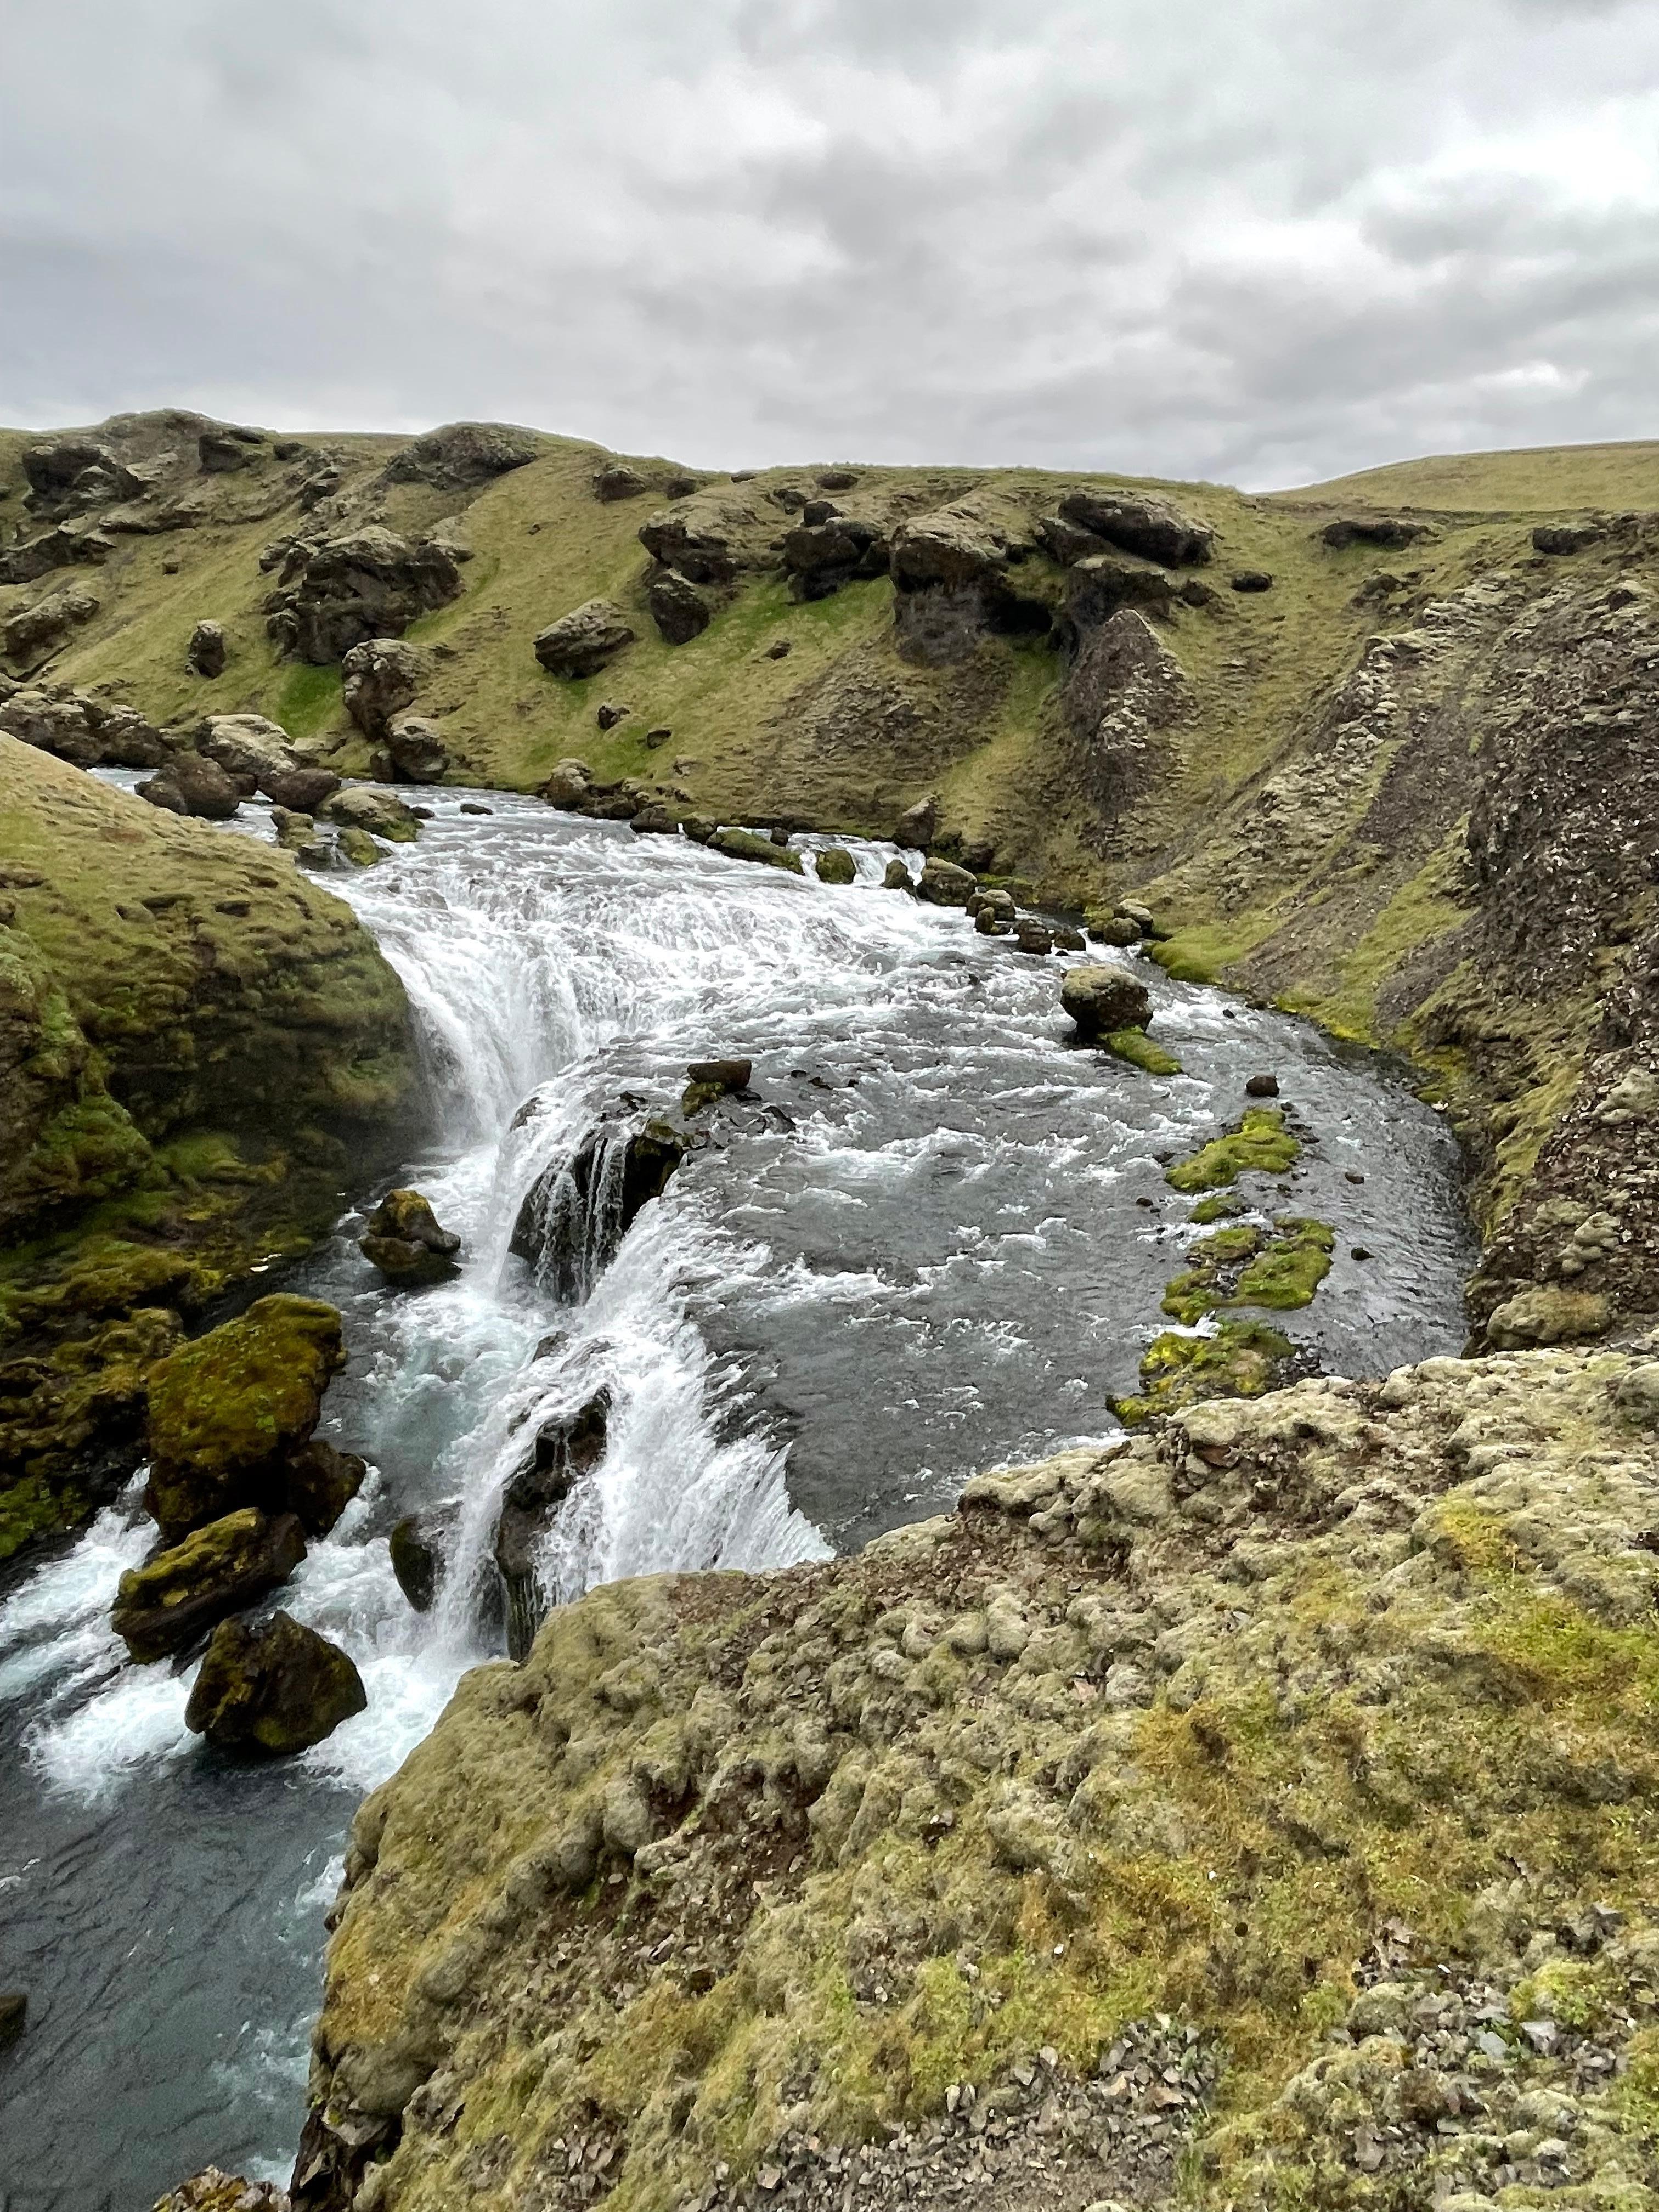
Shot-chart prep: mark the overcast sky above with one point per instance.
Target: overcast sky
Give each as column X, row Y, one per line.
column 1261, row 240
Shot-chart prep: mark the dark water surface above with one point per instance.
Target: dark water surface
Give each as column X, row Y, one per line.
column 917, row 1252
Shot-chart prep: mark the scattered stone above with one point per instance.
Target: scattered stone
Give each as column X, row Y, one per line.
column 300, row 791
column 360, row 807
column 1140, row 523
column 836, row 479
column 1545, row 1315
column 248, row 747
column 1389, row 530
column 609, row 715
column 1103, row 999
column 468, row 807
column 897, row 877
column 221, row 1569
column 1113, row 929
column 402, row 1237
column 581, row 643
column 1561, row 537
column 941, row 883
column 213, row 2191
column 657, row 820
column 189, row 785
column 221, row 452
column 655, row 739
column 1252, row 579
column 276, row 1689
column 616, row 480
column 208, row 649
column 779, row 649
column 1034, row 937
column 36, row 633
column 569, row 787
column 714, row 1078
column 1261, row 1086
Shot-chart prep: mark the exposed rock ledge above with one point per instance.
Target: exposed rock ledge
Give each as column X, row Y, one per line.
column 1279, row 1793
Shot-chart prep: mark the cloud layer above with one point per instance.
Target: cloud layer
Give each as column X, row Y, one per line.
column 1265, row 243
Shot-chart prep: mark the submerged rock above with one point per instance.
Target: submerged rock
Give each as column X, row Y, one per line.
column 275, row 1689
column 748, row 845
column 896, row 877
column 403, row 1239
column 714, row 1078
column 221, row 1569
column 1102, row 997
column 577, row 1214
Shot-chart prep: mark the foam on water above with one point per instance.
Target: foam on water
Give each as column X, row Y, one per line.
column 918, row 1250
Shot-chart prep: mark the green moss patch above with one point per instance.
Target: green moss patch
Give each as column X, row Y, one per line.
column 1242, row 1360
column 1141, row 1051
column 1260, row 1144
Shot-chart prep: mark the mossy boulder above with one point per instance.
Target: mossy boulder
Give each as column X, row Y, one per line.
column 403, row 1238
column 227, row 1411
column 1138, row 1050
column 1547, row 1315
column 1241, row 1360
column 1103, row 999
column 272, row 1689
column 221, row 1569
column 1260, row 1144
column 382, row 813
column 836, row 864
column 748, row 845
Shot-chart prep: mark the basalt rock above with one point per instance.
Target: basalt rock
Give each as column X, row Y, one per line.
column 569, row 787
column 208, row 649
column 417, row 1545
column 747, row 845
column 36, row 633
column 299, row 790
column 581, row 642
column 463, row 455
column 836, row 864
column 574, row 1217
column 942, row 883
column 711, row 1080
column 918, row 825
column 379, row 812
column 822, row 554
column 617, row 481
column 1102, row 997
column 367, row 584
column 67, row 545
column 272, row 1689
column 378, row 679
column 403, row 1240
column 1141, row 523
column 678, row 608
column 418, row 752
column 189, row 785
column 248, row 747
column 563, row 1451
column 217, row 1570
column 318, row 1483
column 1560, row 537
column 1392, row 531
column 227, row 1411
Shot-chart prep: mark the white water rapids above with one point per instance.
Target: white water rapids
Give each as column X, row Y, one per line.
column 934, row 1241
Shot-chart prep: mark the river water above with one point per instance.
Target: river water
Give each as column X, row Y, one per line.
column 933, row 1240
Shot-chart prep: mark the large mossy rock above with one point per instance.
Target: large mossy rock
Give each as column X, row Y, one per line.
column 227, row 1411
column 1102, row 999
column 749, row 845
column 274, row 1689
column 403, row 1238
column 165, row 1604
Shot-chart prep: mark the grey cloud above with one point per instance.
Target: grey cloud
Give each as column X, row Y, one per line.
column 1272, row 242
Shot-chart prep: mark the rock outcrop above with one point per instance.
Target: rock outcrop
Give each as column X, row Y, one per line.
column 378, row 679
column 369, row 583
column 582, row 641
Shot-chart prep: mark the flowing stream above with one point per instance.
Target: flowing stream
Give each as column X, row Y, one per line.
column 933, row 1238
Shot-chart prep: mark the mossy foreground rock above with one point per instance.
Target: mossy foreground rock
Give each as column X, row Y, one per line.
column 1105, row 1000
column 227, row 1411
column 165, row 1604
column 1241, row 1803
column 276, row 1688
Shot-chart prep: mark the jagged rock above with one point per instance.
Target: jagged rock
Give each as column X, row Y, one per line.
column 368, row 584
column 569, row 787
column 378, row 679
column 277, row 1688
column 1139, row 522
column 577, row 1214
column 822, row 553
column 942, row 883
column 745, row 845
column 1123, row 688
column 213, row 2191
column 917, row 826
column 617, row 481
column 299, row 790
column 319, row 1482
column 57, row 472
column 207, row 651
column 55, row 723
column 1097, row 586
column 187, row 784
column 1252, row 579
column 221, row 452
column 418, row 752
column 948, row 547
column 418, row 1548
column 704, row 543
column 1566, row 537
column 248, row 747
column 463, row 454
column 563, row 1451
column 381, row 812
column 896, row 877
column 66, row 546
column 677, row 608
column 610, row 715
column 403, row 1239
column 36, row 633
column 1102, row 999
column 1389, row 530
column 227, row 1411
column 836, row 864
column 581, row 642
column 215, row 1570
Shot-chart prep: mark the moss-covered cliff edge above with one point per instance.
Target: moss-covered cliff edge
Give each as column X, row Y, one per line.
column 1263, row 1813
column 194, row 1041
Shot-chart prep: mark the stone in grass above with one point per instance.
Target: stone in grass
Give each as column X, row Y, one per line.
column 1141, row 1051
column 165, row 1604
column 274, row 1689
column 746, row 845
column 836, row 864
column 403, row 1238
column 1260, row 1144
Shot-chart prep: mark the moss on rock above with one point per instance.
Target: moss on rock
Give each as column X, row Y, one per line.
column 1141, row 1051
column 1260, row 1144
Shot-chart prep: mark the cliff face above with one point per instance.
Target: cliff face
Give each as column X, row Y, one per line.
column 193, row 1038
column 1269, row 1809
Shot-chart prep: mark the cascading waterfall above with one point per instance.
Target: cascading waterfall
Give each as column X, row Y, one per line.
column 932, row 1238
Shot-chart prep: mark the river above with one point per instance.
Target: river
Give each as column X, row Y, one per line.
column 933, row 1241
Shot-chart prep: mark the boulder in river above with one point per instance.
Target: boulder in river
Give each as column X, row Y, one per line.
column 221, row 1569
column 249, row 747
column 1033, row 936
column 917, row 826
column 563, row 1451
column 577, row 1213
column 319, row 1482
column 1102, row 998
column 896, row 877
column 403, row 1238
column 227, row 1411
column 1114, row 929
column 942, row 883
column 358, row 848
column 301, row 790
column 748, row 845
column 187, row 784
column 417, row 1545
column 208, row 650
column 418, row 753
column 381, row 812
column 580, row 643
column 1261, row 1086
column 836, row 864
column 276, row 1688
column 711, row 1080
column 569, row 787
